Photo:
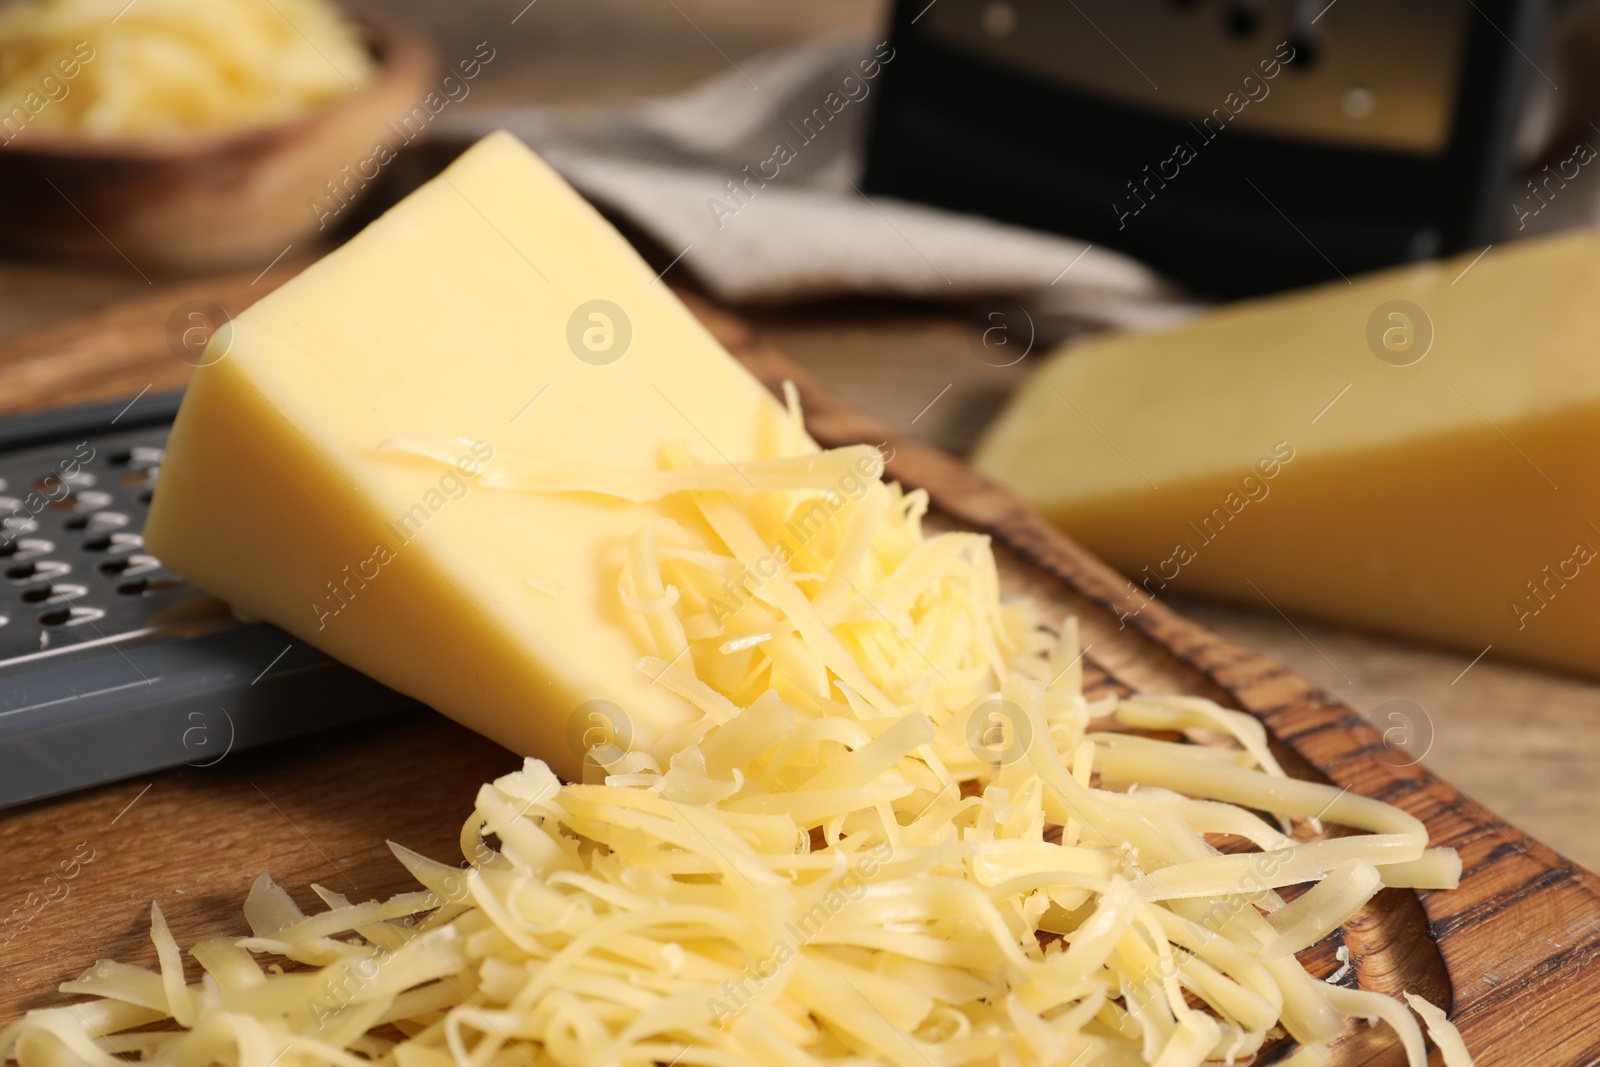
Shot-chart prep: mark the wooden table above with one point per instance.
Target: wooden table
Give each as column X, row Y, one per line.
column 1525, row 742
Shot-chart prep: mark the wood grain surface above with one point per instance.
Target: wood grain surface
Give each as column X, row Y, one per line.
column 126, row 349
column 1512, row 952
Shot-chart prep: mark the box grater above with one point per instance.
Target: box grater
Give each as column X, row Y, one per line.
column 1238, row 146
column 111, row 665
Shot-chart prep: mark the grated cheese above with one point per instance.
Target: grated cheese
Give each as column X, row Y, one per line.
column 891, row 837
column 1443, row 1031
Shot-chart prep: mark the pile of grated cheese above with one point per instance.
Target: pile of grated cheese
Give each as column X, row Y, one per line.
column 898, row 833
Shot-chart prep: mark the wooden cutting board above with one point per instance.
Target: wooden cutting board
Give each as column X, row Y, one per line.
column 1514, row 952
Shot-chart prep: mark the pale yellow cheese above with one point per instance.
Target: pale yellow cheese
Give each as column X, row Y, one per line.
column 1266, row 453
column 449, row 318
column 162, row 68
column 843, row 858
column 849, row 872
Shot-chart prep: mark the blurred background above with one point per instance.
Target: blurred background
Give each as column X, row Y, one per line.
column 1049, row 141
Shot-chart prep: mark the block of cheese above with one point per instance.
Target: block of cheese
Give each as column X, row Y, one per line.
column 1417, row 452
column 496, row 311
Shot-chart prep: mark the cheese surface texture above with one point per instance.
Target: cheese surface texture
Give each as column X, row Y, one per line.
column 495, row 312
column 1415, row 452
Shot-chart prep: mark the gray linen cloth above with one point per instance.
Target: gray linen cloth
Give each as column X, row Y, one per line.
column 754, row 178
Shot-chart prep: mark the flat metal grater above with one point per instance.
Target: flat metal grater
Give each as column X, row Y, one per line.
column 111, row 665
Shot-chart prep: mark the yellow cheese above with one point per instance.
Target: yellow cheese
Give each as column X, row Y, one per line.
column 846, row 860
column 879, row 735
column 1416, row 451
column 467, row 312
column 163, row 68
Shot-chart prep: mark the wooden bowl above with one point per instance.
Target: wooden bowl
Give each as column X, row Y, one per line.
column 211, row 201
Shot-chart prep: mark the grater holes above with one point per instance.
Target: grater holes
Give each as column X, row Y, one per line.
column 97, row 522
column 21, row 548
column 94, row 493
column 114, row 541
column 50, row 484
column 147, row 586
column 69, row 616
column 83, row 500
column 1242, row 19
column 138, row 457
column 35, row 569
column 52, row 593
column 128, row 566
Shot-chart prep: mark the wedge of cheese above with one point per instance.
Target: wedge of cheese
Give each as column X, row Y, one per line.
column 1416, row 452
column 494, row 311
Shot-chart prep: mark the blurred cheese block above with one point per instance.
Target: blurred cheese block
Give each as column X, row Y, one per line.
column 1417, row 452
column 494, row 307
